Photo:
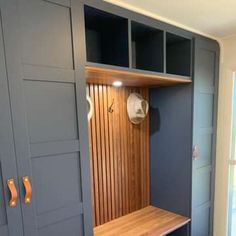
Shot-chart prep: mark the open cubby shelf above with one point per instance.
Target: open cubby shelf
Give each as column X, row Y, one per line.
column 178, row 55
column 152, row 49
column 100, row 74
column 147, row 221
column 106, row 38
column 147, row 47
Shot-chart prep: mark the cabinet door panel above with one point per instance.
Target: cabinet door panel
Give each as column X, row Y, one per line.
column 10, row 218
column 47, row 91
column 204, row 129
column 46, row 34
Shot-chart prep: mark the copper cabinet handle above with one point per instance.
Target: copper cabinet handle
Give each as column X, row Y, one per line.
column 13, row 191
column 28, row 189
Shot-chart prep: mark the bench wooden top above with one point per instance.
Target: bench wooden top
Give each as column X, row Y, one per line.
column 149, row 221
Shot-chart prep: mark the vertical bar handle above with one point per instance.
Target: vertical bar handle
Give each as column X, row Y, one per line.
column 195, row 152
column 28, row 189
column 13, row 192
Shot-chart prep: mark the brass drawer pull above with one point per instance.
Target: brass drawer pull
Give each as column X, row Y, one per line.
column 13, row 191
column 28, row 189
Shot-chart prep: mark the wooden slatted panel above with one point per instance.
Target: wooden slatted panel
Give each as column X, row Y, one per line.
column 148, row 221
column 119, row 153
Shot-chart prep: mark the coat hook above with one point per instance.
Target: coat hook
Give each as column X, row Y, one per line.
column 110, row 109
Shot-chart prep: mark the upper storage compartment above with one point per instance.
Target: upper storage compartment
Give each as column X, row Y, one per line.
column 147, row 48
column 178, row 55
column 106, row 38
column 135, row 54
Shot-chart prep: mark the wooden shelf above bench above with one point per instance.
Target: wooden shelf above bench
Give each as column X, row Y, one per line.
column 99, row 74
column 148, row 221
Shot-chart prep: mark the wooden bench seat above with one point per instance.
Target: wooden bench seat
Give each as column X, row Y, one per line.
column 149, row 221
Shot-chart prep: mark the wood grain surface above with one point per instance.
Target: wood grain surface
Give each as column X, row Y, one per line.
column 119, row 153
column 136, row 78
column 149, row 221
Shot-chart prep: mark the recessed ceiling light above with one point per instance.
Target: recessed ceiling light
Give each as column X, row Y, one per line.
column 117, row 83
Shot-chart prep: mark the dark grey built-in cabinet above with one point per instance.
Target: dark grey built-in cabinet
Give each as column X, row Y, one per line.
column 43, row 112
column 43, row 105
column 10, row 218
column 183, row 142
column 206, row 64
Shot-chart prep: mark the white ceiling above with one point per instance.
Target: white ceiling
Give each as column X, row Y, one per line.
column 215, row 18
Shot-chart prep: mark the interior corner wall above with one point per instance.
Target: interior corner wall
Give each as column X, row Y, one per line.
column 227, row 68
column 171, row 148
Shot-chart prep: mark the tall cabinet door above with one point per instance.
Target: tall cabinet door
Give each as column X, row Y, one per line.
column 45, row 54
column 10, row 217
column 204, row 132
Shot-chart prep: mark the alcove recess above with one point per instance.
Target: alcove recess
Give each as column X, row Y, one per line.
column 119, row 153
column 147, row 48
column 120, row 150
column 108, row 46
column 178, row 55
column 106, row 38
column 120, row 164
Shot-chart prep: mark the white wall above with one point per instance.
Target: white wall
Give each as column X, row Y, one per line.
column 227, row 68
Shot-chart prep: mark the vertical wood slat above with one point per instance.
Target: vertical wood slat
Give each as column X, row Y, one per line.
column 116, row 149
column 103, row 156
column 112, row 155
column 99, row 157
column 91, row 166
column 119, row 153
column 93, row 157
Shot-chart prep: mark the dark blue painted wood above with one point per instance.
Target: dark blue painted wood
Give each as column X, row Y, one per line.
column 47, row 92
column 178, row 55
column 183, row 231
column 106, row 37
column 80, row 60
column 170, row 148
column 177, row 184
column 10, row 218
column 147, row 47
column 100, row 4
column 45, row 56
column 206, row 59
